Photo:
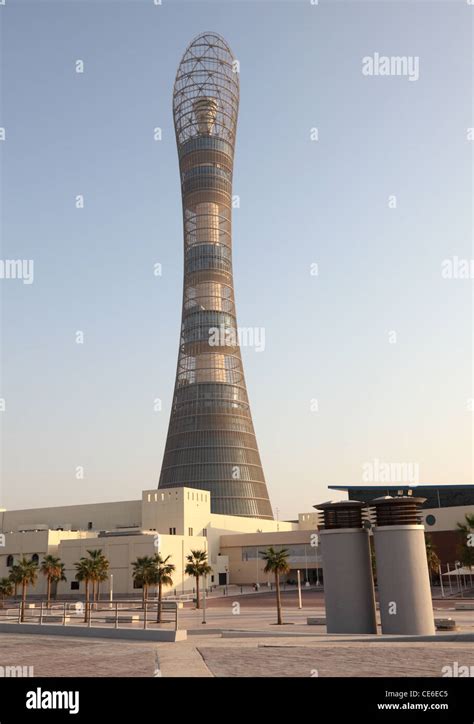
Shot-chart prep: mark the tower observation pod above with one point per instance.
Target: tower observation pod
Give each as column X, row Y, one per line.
column 402, row 568
column 211, row 442
column 347, row 568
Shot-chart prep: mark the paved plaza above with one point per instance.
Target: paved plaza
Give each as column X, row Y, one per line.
column 211, row 649
column 211, row 655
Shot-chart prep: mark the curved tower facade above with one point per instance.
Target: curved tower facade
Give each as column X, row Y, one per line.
column 211, row 441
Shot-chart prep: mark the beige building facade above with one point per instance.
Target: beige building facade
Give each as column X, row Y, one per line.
column 172, row 521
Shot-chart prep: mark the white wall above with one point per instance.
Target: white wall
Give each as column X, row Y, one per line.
column 103, row 516
column 446, row 518
column 122, row 551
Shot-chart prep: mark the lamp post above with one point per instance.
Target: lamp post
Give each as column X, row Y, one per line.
column 300, row 605
column 441, row 579
column 204, row 599
column 2, row 529
column 182, row 566
column 459, row 577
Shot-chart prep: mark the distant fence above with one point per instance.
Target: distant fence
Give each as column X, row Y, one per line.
column 116, row 613
column 454, row 579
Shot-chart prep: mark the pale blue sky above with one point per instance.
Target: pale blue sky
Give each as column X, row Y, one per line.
column 302, row 202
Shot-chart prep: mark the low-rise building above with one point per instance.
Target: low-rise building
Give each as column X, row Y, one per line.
column 174, row 522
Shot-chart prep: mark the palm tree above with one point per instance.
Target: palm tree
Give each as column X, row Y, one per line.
column 6, row 589
column 144, row 574
column 27, row 572
column 197, row 566
column 15, row 578
column 85, row 571
column 101, row 565
column 465, row 550
column 277, row 563
column 431, row 555
column 163, row 571
column 61, row 576
column 102, row 576
column 51, row 568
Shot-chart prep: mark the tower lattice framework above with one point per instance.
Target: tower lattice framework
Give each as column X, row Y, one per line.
column 211, row 441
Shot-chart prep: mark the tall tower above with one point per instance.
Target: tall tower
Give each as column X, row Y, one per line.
column 211, row 441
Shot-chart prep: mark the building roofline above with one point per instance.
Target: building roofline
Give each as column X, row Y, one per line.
column 398, row 486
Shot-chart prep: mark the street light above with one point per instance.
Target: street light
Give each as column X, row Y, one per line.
column 300, row 605
column 204, row 600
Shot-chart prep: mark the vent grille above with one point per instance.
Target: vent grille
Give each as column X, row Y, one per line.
column 403, row 510
column 343, row 514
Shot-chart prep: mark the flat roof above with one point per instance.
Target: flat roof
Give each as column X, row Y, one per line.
column 397, row 486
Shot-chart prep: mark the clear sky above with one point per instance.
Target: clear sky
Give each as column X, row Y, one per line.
column 402, row 398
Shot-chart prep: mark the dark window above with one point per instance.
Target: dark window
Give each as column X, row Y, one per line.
column 74, row 585
column 430, row 520
column 89, row 526
column 172, row 531
column 137, row 584
column 35, row 558
column 206, row 143
column 9, row 561
column 455, row 497
column 435, row 497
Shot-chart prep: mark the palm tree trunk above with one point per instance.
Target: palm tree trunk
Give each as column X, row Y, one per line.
column 48, row 602
column 277, row 586
column 98, row 591
column 145, row 594
column 197, row 592
column 87, row 602
column 23, row 600
column 160, row 591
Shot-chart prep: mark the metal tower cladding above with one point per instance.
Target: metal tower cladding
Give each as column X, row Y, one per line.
column 211, row 441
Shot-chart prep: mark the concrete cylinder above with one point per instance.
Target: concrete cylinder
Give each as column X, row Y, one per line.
column 348, row 583
column 403, row 580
